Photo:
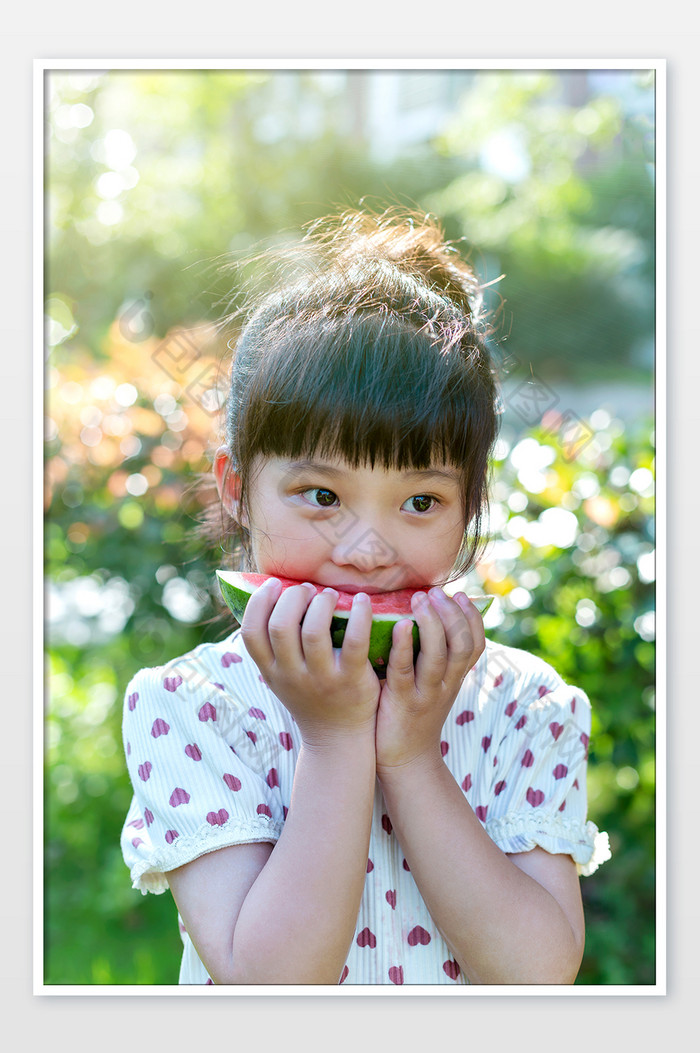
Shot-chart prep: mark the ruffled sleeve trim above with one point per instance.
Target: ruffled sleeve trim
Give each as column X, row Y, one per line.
column 587, row 846
column 148, row 873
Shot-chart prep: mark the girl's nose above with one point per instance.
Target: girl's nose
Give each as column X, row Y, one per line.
column 364, row 548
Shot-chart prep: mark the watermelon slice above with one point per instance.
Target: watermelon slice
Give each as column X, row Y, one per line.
column 387, row 608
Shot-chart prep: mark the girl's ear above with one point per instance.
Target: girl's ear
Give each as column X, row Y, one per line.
column 228, row 483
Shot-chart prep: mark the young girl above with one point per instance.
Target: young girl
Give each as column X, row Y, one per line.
column 317, row 824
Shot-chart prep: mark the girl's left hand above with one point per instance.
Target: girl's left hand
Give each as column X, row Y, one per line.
column 415, row 700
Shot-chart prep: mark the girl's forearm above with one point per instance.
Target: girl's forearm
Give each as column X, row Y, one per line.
column 298, row 919
column 502, row 926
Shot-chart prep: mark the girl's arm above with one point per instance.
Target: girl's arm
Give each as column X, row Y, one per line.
column 286, row 915
column 507, row 919
column 259, row 914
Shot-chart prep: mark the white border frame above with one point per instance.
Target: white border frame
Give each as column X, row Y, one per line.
column 43, row 66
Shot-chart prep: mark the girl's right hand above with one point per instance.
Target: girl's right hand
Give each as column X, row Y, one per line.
column 327, row 690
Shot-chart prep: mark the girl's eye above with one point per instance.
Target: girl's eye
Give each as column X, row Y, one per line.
column 321, row 497
column 419, row 503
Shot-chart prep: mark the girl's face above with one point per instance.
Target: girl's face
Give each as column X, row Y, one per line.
column 356, row 529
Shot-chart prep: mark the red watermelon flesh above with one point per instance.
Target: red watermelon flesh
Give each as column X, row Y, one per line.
column 396, row 604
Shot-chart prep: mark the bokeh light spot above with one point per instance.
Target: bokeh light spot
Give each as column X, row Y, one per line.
column 130, row 515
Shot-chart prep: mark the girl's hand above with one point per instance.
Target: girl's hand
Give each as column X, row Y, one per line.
column 415, row 701
column 327, row 690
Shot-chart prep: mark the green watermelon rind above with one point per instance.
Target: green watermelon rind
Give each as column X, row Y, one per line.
column 236, row 592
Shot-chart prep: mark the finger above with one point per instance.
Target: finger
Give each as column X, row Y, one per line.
column 316, row 642
column 474, row 617
column 284, row 624
column 400, row 670
column 355, row 646
column 432, row 657
column 255, row 620
column 465, row 637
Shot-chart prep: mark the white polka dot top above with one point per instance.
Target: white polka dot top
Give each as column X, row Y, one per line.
column 211, row 755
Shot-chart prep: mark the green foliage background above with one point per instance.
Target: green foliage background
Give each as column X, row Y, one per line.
column 151, row 177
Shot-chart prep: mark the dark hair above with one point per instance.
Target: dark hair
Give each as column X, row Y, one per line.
column 373, row 349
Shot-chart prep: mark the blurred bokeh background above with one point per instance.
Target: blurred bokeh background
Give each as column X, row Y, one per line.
column 153, row 179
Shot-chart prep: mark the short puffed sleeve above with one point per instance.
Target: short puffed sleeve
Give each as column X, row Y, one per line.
column 206, row 765
column 531, row 790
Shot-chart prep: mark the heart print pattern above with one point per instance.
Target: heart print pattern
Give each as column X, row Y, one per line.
column 213, row 754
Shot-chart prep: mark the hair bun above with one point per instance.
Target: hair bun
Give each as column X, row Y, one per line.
column 412, row 241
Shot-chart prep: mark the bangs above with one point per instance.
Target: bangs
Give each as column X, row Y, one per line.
column 367, row 389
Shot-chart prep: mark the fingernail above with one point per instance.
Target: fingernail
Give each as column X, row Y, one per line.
column 361, row 597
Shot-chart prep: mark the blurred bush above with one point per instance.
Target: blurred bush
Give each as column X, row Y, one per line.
column 556, row 189
column 573, row 569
